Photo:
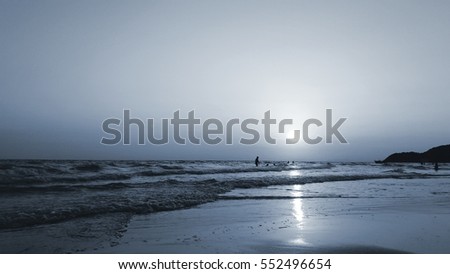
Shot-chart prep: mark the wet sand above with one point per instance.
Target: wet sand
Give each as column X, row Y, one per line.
column 297, row 225
column 371, row 216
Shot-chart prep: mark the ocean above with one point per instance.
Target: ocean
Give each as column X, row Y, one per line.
column 39, row 192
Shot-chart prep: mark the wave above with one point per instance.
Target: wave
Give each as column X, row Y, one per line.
column 20, row 189
column 141, row 198
column 41, row 192
column 146, row 199
column 396, row 170
column 32, row 180
column 92, row 167
column 170, row 167
column 79, row 172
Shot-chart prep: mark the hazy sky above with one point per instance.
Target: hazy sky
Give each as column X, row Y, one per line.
column 65, row 66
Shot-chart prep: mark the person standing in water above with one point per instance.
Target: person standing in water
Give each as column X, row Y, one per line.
column 257, row 161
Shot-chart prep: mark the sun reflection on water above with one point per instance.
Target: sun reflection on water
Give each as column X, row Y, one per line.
column 295, row 173
column 297, row 208
column 297, row 211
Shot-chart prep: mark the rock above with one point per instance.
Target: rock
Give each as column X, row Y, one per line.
column 440, row 154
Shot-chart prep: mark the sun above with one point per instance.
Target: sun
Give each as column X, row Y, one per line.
column 290, row 134
column 293, row 136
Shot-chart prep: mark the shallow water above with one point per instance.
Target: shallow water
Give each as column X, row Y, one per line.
column 42, row 192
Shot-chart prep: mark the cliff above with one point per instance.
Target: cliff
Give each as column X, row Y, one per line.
column 440, row 154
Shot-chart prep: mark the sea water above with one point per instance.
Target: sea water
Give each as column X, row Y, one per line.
column 39, row 192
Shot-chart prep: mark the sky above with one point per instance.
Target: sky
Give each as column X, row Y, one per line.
column 66, row 66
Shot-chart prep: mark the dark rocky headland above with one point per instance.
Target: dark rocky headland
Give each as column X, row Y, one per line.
column 440, row 154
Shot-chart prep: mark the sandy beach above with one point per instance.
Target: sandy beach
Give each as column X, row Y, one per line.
column 329, row 225
column 276, row 219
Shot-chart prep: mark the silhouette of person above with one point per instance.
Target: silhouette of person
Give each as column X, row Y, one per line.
column 257, row 161
column 436, row 166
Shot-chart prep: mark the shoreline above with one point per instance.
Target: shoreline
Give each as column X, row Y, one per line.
column 367, row 216
column 276, row 226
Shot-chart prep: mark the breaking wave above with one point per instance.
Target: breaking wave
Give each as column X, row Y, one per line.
column 42, row 192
